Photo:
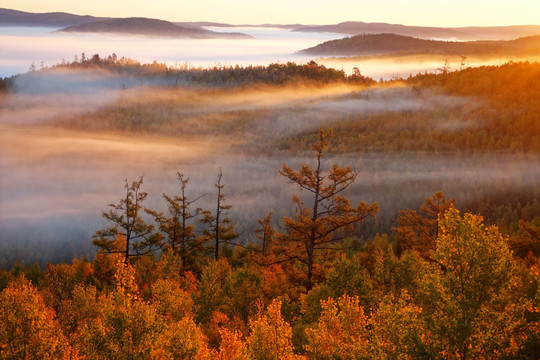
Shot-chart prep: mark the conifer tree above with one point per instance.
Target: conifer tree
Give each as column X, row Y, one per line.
column 418, row 230
column 220, row 230
column 180, row 235
column 314, row 228
column 129, row 234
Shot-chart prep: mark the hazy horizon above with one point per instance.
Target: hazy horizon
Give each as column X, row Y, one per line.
column 25, row 46
column 415, row 12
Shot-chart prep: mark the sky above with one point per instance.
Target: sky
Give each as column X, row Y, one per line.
column 453, row 13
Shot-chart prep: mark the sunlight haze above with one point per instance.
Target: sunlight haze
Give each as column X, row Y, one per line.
column 416, row 12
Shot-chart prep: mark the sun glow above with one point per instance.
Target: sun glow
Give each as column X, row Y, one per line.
column 416, row 12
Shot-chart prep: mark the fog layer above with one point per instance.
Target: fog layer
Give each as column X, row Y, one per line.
column 23, row 46
column 57, row 177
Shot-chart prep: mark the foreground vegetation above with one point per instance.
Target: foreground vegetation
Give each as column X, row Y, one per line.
column 448, row 287
column 459, row 292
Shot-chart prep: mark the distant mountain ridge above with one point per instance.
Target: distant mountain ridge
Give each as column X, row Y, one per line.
column 67, row 22
column 384, row 44
column 150, row 27
column 134, row 26
column 54, row 19
column 461, row 33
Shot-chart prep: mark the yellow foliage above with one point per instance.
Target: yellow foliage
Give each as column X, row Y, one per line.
column 181, row 340
column 171, row 301
column 28, row 328
column 341, row 332
column 398, row 328
column 231, row 347
column 270, row 337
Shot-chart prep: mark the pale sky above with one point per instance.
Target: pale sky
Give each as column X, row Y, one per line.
column 443, row 13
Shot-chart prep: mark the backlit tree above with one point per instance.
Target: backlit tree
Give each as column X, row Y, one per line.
column 220, row 230
column 138, row 237
column 468, row 302
column 314, row 228
column 180, row 235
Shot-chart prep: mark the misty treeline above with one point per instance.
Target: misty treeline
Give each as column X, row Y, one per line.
column 501, row 115
column 416, row 279
column 185, row 75
column 443, row 284
column 475, row 110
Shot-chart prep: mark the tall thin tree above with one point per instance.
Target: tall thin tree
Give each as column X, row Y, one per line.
column 313, row 229
column 180, row 237
column 220, row 230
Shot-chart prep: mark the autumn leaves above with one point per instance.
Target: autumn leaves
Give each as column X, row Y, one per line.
column 453, row 288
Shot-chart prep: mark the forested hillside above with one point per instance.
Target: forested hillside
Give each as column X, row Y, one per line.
column 378, row 44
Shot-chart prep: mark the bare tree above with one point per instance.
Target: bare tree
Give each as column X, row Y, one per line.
column 265, row 233
column 220, row 229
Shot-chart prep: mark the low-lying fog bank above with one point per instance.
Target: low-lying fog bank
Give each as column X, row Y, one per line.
column 54, row 185
column 22, row 47
column 69, row 140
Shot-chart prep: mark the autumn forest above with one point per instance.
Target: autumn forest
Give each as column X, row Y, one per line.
column 315, row 214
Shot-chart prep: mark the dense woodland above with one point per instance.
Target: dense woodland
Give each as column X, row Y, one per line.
column 447, row 278
column 377, row 44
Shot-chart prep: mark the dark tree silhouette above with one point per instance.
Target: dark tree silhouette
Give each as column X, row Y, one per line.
column 129, row 233
column 180, row 237
column 220, row 230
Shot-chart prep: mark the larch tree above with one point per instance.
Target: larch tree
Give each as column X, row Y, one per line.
column 265, row 233
column 220, row 229
column 418, row 230
column 180, row 235
column 129, row 234
column 314, row 228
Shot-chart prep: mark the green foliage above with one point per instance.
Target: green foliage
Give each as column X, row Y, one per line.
column 210, row 298
column 399, row 330
column 346, row 277
column 242, row 293
column 468, row 299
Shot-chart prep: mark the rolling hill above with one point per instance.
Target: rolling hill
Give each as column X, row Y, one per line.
column 383, row 44
column 135, row 26
column 359, row 27
column 150, row 27
column 10, row 17
column 462, row 33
